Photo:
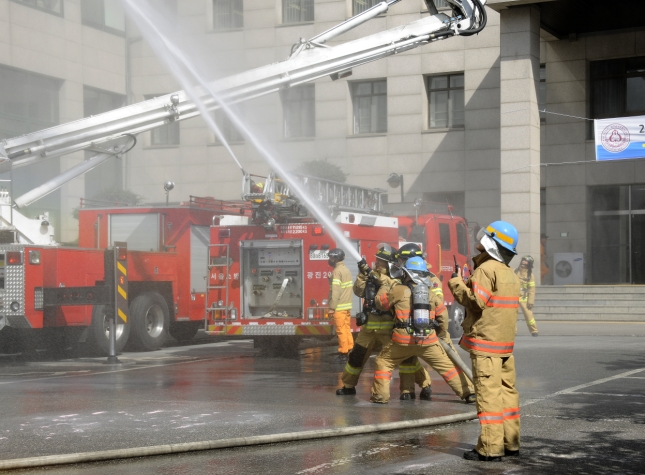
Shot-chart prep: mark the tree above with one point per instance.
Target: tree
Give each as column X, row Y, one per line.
column 322, row 169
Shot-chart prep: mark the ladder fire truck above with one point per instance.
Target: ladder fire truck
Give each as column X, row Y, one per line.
column 255, row 268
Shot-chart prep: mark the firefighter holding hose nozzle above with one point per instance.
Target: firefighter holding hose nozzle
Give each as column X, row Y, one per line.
column 414, row 333
column 376, row 327
column 491, row 298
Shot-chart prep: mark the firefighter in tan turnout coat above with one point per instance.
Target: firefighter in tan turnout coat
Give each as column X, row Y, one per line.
column 340, row 300
column 409, row 341
column 375, row 332
column 527, row 296
column 491, row 298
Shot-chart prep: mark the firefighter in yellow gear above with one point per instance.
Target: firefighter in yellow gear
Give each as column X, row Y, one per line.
column 527, row 292
column 340, row 300
column 376, row 331
column 491, row 298
column 409, row 339
column 442, row 316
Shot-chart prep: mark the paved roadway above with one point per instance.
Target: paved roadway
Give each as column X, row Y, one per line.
column 583, row 410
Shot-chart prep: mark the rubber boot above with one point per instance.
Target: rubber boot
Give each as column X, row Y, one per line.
column 346, row 391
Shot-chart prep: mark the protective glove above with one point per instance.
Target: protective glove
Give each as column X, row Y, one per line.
column 363, row 268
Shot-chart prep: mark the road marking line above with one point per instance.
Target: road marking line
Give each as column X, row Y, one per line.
column 608, row 394
column 582, row 386
column 103, row 372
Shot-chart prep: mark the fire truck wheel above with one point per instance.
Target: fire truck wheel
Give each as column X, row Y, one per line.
column 184, row 331
column 99, row 336
column 457, row 313
column 150, row 321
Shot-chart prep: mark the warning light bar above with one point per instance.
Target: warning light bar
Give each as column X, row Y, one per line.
column 318, row 231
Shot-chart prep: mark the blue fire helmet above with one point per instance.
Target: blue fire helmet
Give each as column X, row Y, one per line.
column 503, row 233
column 416, row 264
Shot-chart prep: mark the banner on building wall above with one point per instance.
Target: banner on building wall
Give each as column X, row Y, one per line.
column 620, row 138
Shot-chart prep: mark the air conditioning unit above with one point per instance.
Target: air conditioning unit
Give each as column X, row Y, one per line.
column 568, row 268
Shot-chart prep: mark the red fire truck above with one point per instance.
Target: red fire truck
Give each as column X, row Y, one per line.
column 244, row 271
column 208, row 264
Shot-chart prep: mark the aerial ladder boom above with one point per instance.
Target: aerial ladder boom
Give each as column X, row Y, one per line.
column 113, row 133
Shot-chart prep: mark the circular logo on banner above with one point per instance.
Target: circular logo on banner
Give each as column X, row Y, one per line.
column 615, row 138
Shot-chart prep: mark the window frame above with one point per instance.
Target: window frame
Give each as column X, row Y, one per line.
column 36, row 7
column 355, row 11
column 300, row 20
column 429, row 92
column 214, row 17
column 103, row 26
column 167, row 126
column 356, row 105
column 287, row 101
column 225, row 124
column 441, row 227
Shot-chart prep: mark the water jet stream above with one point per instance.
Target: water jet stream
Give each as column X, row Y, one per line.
column 176, row 60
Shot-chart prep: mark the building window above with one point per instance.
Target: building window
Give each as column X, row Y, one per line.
column 105, row 15
column 30, row 102
column 228, row 14
column 370, row 106
column 542, row 93
column 618, row 88
column 299, row 111
column 49, row 6
column 297, row 11
column 359, row 6
column 231, row 134
column 108, row 175
column 446, row 98
column 166, row 134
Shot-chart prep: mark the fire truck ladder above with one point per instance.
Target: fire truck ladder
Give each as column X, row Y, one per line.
column 219, row 261
column 332, row 194
column 343, row 197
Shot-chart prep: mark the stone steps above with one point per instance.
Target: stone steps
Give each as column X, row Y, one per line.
column 590, row 302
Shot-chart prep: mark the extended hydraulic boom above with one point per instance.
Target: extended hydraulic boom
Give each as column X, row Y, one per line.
column 310, row 59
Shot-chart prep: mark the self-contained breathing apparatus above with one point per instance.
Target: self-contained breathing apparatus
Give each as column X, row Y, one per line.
column 385, row 253
column 419, row 323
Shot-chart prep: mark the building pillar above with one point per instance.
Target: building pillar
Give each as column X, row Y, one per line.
column 520, row 127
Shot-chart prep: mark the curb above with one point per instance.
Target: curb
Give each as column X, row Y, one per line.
column 83, row 457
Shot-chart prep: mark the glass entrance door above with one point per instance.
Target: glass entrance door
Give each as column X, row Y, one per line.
column 618, row 234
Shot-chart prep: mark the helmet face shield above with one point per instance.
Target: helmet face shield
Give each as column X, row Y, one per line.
column 396, row 272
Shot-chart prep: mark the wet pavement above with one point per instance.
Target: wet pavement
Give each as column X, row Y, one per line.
column 574, row 419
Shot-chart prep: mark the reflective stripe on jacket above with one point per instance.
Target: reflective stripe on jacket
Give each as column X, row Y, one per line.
column 399, row 301
column 382, row 323
column 340, row 289
column 527, row 286
column 491, row 298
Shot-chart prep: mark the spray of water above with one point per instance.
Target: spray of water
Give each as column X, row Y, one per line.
column 182, row 67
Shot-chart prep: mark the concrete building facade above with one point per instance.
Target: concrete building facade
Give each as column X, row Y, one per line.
column 458, row 119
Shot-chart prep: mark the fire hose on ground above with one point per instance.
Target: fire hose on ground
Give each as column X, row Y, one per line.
column 168, row 449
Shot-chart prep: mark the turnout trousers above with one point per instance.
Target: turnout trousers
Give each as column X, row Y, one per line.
column 343, row 331
column 528, row 316
column 498, row 404
column 410, row 370
column 394, row 354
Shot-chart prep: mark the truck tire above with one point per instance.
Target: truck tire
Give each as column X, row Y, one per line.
column 150, row 321
column 98, row 336
column 184, row 331
column 457, row 313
